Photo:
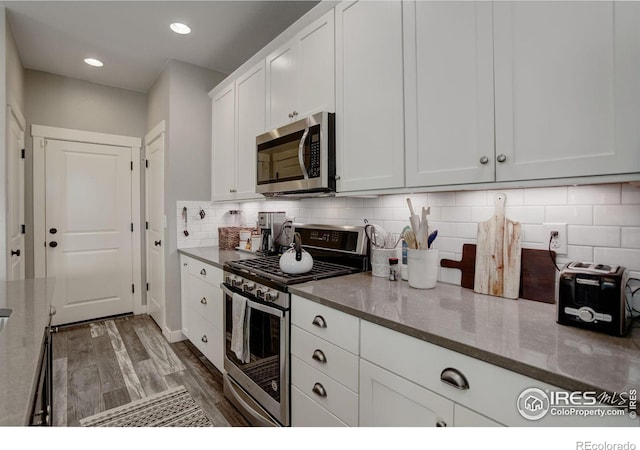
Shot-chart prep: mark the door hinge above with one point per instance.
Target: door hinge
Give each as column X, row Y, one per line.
column 22, row 153
column 131, row 165
column 132, row 227
column 147, row 286
column 146, row 225
column 133, row 289
column 146, row 163
column 23, row 228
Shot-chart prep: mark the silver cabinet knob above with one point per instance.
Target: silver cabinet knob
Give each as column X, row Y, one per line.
column 453, row 377
column 295, row 113
column 319, row 356
column 319, row 322
column 319, row 390
column 203, row 300
column 290, row 116
column 337, row 177
column 501, row 158
column 484, row 160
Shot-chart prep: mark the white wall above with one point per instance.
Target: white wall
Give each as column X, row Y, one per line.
column 58, row 101
column 603, row 221
column 180, row 97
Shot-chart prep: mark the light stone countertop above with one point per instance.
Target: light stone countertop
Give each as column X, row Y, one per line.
column 21, row 342
column 518, row 335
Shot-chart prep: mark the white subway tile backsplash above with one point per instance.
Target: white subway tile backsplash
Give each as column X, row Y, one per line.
column 594, row 236
column 594, row 195
column 571, row 215
column 630, row 194
column 623, row 215
column 630, row 237
column 546, row 196
column 603, row 220
column 629, row 258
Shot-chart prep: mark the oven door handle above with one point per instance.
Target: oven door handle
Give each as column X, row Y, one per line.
column 254, row 305
column 301, row 154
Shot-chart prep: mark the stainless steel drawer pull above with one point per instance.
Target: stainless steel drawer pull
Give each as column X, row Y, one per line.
column 318, row 355
column 319, row 322
column 453, row 377
column 203, row 272
column 203, row 300
column 204, row 339
column 318, row 389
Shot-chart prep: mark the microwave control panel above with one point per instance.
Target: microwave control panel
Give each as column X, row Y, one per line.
column 314, row 154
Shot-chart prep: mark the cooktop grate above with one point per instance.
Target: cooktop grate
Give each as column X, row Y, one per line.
column 269, row 267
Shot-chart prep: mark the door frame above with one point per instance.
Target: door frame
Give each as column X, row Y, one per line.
column 39, row 134
column 14, row 110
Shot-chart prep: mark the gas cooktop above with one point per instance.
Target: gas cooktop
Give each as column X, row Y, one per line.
column 268, row 267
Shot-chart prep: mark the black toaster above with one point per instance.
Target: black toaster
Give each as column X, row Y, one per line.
column 592, row 296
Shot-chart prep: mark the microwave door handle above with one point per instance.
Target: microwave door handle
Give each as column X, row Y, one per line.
column 301, row 154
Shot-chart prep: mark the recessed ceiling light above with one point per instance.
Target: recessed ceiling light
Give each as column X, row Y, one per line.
column 93, row 62
column 180, row 28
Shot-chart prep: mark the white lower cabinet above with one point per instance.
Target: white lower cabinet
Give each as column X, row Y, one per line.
column 324, row 365
column 202, row 309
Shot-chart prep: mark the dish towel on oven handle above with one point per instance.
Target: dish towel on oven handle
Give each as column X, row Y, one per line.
column 240, row 314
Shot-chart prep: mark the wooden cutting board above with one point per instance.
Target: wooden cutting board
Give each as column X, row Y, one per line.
column 498, row 254
column 537, row 272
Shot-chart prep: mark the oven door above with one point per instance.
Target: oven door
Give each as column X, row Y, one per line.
column 265, row 374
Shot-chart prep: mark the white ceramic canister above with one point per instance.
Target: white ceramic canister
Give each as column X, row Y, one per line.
column 380, row 261
column 423, row 268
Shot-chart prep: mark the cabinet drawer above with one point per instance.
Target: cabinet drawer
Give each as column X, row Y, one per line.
column 329, row 394
column 330, row 324
column 207, row 338
column 206, row 272
column 307, row 413
column 493, row 391
column 205, row 300
column 339, row 364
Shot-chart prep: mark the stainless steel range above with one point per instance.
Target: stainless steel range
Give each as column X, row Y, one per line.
column 257, row 318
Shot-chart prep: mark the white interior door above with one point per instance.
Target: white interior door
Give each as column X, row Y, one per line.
column 15, row 196
column 154, row 181
column 88, row 229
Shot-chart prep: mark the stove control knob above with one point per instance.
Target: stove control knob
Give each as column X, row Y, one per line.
column 234, row 280
column 271, row 296
column 586, row 314
column 248, row 287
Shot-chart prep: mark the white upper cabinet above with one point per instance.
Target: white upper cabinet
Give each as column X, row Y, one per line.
column 238, row 117
column 223, row 144
column 567, row 90
column 250, row 122
column 369, row 96
column 300, row 74
column 448, row 92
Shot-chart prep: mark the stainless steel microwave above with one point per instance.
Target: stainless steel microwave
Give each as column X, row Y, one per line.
column 298, row 159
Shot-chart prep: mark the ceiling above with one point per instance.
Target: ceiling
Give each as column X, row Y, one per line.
column 133, row 39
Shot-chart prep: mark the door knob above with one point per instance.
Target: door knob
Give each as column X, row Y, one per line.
column 157, row 243
column 15, row 252
column 501, row 158
column 53, row 230
column 53, row 244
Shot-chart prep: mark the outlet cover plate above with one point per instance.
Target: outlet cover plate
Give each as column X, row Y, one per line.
column 559, row 244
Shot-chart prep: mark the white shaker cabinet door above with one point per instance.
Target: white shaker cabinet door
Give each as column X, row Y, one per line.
column 567, row 91
column 250, row 122
column 223, row 145
column 282, row 85
column 388, row 400
column 369, row 96
column 448, row 92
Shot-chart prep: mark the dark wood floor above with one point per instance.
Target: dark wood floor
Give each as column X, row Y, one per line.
column 104, row 364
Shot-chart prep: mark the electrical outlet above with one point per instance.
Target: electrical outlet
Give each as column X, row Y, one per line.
column 557, row 232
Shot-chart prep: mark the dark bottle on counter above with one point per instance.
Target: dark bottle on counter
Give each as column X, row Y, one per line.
column 393, row 269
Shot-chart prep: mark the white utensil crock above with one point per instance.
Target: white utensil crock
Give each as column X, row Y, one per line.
column 423, row 268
